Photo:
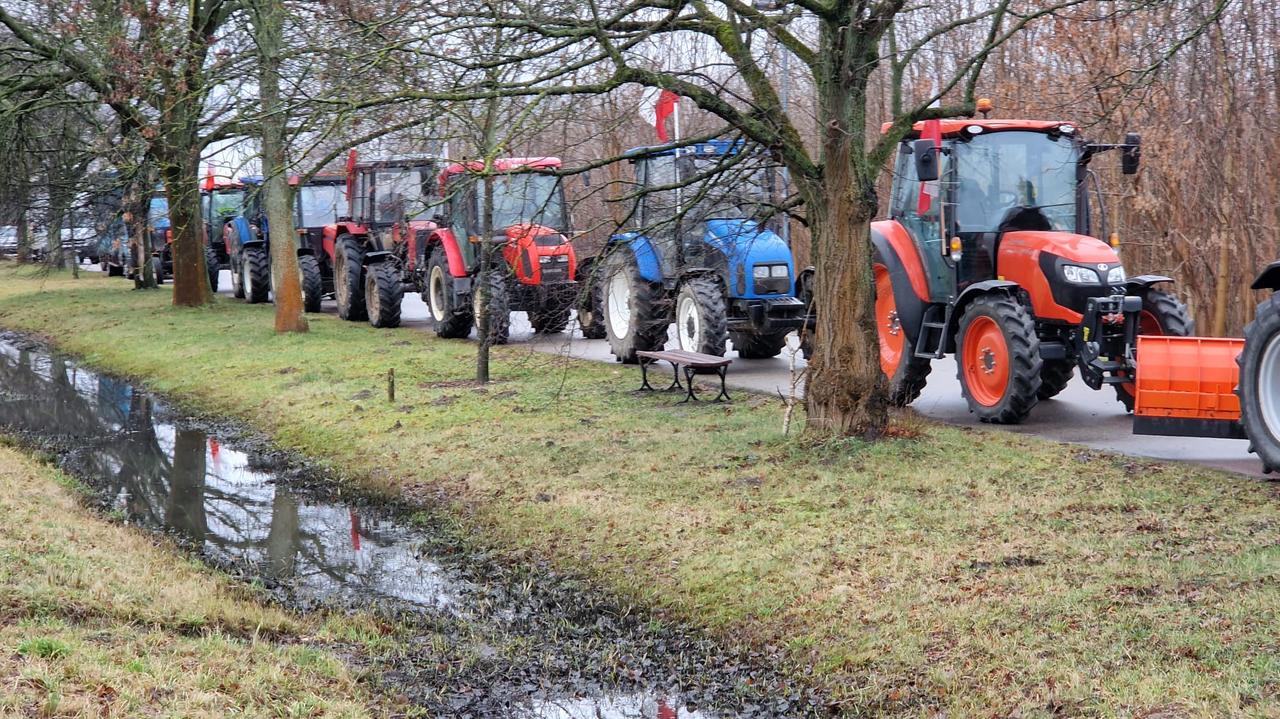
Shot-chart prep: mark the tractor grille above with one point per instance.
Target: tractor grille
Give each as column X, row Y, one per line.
column 555, row 272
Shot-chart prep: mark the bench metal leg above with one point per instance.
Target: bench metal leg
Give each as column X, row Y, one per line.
column 675, row 378
column 724, row 392
column 644, row 375
column 688, row 378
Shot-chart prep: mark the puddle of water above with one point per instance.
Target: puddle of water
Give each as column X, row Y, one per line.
column 166, row 473
column 181, row 480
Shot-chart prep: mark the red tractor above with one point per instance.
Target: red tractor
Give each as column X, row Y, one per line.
column 1001, row 265
column 378, row 247
column 530, row 231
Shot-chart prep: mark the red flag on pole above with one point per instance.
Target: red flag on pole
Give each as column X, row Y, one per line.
column 655, row 107
column 928, row 190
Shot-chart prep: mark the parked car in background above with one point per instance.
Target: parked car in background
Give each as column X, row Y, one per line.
column 8, row 240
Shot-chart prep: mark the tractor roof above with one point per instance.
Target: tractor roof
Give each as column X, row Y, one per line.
column 955, row 125
column 710, row 148
column 398, row 162
column 319, row 180
column 503, row 164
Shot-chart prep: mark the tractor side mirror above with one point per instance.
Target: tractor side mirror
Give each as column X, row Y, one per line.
column 926, row 156
column 1132, row 153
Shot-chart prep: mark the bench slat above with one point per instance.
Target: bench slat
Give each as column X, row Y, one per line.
column 689, row 359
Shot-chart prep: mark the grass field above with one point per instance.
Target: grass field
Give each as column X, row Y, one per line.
column 98, row 621
column 967, row 571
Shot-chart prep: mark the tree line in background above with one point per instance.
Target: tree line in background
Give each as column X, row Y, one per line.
column 146, row 91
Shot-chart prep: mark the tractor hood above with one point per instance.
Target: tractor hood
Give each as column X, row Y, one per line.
column 746, row 244
column 540, row 235
column 1067, row 245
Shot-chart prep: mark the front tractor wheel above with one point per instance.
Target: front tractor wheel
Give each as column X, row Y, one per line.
column 1162, row 315
column 312, row 283
column 999, row 361
column 211, row 266
column 1259, row 388
column 635, row 314
column 590, row 308
column 553, row 315
column 1055, row 377
column 700, row 316
column 907, row 373
column 255, row 274
column 382, row 294
column 452, row 318
column 495, row 285
column 348, row 279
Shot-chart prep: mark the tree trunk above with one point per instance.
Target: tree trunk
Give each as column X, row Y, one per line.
column 178, row 165
column 481, row 288
column 268, row 28
column 846, row 392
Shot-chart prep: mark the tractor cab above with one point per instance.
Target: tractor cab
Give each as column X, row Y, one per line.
column 221, row 201
column 991, row 252
column 393, row 200
column 530, row 218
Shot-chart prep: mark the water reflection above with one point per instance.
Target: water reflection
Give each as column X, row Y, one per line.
column 180, row 479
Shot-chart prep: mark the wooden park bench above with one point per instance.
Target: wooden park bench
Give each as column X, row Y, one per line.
column 690, row 363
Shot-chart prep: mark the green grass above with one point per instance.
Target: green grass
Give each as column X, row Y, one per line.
column 96, row 620
column 966, row 571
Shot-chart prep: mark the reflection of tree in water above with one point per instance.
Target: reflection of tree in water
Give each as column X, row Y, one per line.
column 166, row 476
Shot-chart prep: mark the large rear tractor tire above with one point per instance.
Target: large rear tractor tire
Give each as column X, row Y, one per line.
column 590, row 311
column 1055, row 377
column 495, row 283
column 211, row 267
column 907, row 374
column 255, row 274
column 635, row 310
column 701, row 315
column 348, row 279
column 382, row 294
column 751, row 346
column 999, row 359
column 453, row 319
column 1259, row 388
column 1162, row 315
column 312, row 283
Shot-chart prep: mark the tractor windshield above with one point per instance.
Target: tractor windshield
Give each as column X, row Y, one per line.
column 318, row 204
column 718, row 187
column 158, row 213
column 403, row 189
column 525, row 198
column 227, row 203
column 994, row 173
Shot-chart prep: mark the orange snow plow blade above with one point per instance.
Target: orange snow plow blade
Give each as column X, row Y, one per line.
column 1186, row 387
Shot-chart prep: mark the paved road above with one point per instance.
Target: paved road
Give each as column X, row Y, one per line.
column 1079, row 415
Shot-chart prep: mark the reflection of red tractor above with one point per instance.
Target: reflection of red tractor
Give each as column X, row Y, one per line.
column 997, row 266
column 530, row 222
column 378, row 248
column 1212, row 387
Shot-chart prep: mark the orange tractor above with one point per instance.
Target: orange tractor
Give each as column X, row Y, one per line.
column 1213, row 387
column 991, row 253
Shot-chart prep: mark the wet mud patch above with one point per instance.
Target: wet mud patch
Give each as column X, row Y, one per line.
column 470, row 633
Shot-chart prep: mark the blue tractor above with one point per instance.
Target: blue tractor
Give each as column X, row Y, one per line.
column 248, row 241
column 703, row 256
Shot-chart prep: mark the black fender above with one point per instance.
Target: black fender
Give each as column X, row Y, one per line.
column 1269, row 279
column 306, row 251
column 376, row 256
column 910, row 307
column 969, row 294
column 1140, row 284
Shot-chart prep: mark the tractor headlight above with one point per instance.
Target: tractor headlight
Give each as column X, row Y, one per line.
column 779, row 271
column 1077, row 275
column 760, row 272
column 1116, row 275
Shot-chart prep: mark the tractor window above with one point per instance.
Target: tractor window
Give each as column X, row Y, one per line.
column 720, row 187
column 158, row 212
column 658, row 207
column 403, row 190
column 924, row 227
column 227, row 203
column 525, row 197
column 362, row 190
column 318, row 204
column 997, row 172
